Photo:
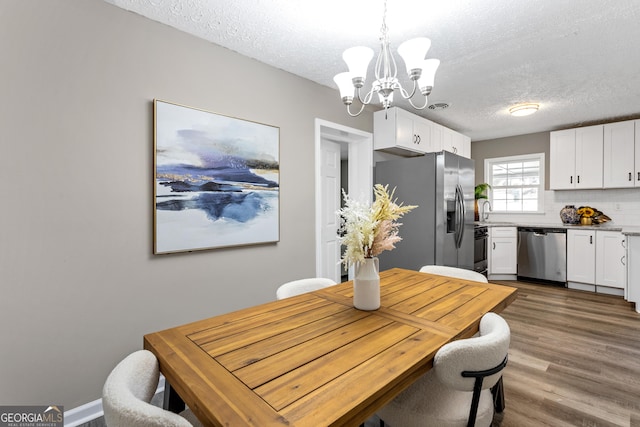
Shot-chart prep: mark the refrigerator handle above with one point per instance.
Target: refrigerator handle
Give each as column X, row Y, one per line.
column 459, row 217
column 463, row 214
column 456, row 219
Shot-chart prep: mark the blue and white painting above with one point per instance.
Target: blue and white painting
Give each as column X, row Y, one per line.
column 216, row 180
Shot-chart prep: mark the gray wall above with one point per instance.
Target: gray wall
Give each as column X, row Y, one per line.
column 80, row 286
column 510, row 146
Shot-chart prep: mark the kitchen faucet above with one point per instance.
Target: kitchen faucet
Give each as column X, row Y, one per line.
column 485, row 214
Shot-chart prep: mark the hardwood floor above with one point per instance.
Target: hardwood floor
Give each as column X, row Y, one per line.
column 574, row 359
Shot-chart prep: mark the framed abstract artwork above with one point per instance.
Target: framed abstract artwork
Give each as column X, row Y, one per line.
column 216, row 180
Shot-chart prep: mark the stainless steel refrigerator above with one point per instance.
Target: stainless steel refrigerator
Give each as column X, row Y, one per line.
column 440, row 230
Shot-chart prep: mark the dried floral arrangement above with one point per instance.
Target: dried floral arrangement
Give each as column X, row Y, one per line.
column 367, row 230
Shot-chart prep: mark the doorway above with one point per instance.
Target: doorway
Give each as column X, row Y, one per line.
column 340, row 152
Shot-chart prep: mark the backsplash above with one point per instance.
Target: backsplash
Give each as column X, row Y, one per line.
column 621, row 205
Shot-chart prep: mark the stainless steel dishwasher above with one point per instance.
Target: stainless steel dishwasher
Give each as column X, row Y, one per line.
column 542, row 254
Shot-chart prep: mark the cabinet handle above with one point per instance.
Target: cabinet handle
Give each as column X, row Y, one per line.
column 578, row 179
column 630, row 178
column 591, row 240
column 571, row 179
column 494, row 246
column 638, row 176
column 419, row 139
column 622, row 260
column 622, row 242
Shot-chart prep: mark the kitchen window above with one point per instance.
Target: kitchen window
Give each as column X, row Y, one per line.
column 517, row 183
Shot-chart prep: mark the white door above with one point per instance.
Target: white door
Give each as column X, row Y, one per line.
column 562, row 159
column 422, row 129
column 503, row 245
column 633, row 271
column 330, row 185
column 610, row 259
column 436, row 137
column 581, row 256
column 619, row 152
column 589, row 147
column 360, row 176
column 636, row 175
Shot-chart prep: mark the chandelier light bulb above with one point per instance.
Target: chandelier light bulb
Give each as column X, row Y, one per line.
column 413, row 52
column 357, row 59
column 345, row 85
column 428, row 77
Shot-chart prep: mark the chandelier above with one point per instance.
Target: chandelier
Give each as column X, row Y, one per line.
column 421, row 71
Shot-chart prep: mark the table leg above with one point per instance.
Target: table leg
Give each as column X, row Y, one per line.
column 498, row 396
column 172, row 401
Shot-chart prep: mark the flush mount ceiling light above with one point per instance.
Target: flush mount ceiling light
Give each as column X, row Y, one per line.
column 421, row 71
column 523, row 109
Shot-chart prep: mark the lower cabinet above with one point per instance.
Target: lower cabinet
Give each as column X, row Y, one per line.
column 503, row 252
column 596, row 261
column 611, row 254
column 581, row 258
column 632, row 293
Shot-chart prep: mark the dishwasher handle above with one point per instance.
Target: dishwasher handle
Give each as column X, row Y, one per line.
column 542, row 231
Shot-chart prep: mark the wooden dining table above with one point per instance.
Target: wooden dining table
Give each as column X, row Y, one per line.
column 315, row 360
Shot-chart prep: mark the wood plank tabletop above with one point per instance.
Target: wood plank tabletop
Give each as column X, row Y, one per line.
column 315, row 360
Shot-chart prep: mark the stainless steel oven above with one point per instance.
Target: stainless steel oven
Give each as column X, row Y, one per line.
column 481, row 242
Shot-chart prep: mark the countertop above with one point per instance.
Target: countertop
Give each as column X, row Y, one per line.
column 624, row 229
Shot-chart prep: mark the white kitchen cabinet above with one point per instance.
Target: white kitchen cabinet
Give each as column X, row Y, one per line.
column 437, row 136
column 503, row 249
column 610, row 259
column 581, row 258
column 636, row 170
column 596, row 261
column 456, row 143
column 576, row 158
column 562, row 159
column 620, row 167
column 632, row 293
column 400, row 132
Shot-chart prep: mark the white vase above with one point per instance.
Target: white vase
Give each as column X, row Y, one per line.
column 366, row 285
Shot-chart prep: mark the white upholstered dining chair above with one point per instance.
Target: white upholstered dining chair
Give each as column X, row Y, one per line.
column 128, row 391
column 460, row 273
column 456, row 391
column 297, row 287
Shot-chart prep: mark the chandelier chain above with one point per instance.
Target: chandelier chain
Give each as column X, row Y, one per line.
column 384, row 37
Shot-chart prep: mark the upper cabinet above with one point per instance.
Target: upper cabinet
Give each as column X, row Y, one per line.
column 451, row 141
column 602, row 156
column 576, row 158
column 399, row 132
column 622, row 154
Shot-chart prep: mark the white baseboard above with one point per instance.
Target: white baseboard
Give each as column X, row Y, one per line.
column 502, row 277
column 609, row 291
column 581, row 286
column 93, row 410
column 83, row 414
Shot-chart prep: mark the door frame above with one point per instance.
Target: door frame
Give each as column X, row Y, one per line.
column 360, row 154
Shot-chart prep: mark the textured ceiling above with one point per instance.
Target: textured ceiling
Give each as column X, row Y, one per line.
column 579, row 59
